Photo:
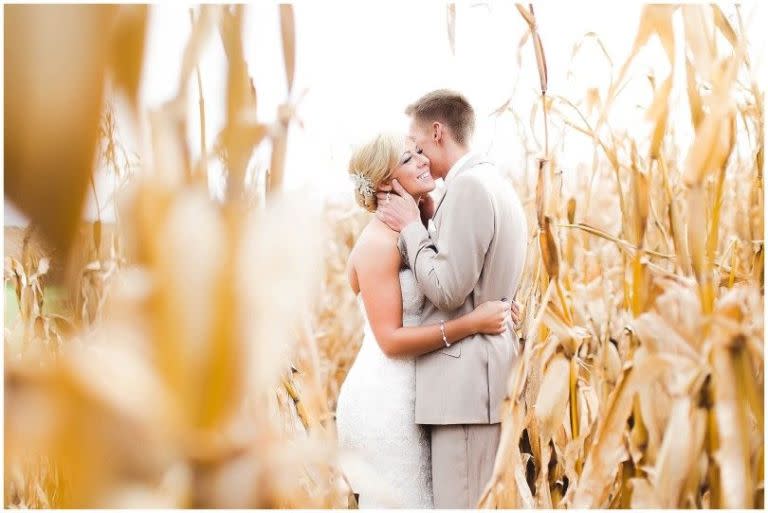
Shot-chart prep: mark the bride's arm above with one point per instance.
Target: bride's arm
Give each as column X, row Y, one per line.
column 378, row 271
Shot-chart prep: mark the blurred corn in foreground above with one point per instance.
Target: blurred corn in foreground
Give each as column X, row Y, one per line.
column 194, row 352
column 181, row 369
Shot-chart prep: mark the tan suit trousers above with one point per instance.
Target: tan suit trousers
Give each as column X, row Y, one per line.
column 462, row 462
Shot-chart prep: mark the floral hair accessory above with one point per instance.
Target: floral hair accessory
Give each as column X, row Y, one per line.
column 363, row 184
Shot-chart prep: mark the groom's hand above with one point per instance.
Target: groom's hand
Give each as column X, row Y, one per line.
column 397, row 209
column 514, row 310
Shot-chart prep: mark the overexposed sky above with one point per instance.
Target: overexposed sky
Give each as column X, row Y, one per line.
column 361, row 63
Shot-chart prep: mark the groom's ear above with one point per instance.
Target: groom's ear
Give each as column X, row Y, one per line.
column 437, row 131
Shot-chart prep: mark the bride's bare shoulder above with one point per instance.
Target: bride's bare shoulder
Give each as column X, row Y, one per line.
column 377, row 244
column 374, row 238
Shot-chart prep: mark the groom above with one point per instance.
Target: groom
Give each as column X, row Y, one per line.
column 475, row 254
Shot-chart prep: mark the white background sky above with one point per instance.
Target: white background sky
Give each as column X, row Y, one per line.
column 363, row 62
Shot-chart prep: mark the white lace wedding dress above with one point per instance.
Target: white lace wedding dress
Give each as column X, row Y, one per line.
column 384, row 453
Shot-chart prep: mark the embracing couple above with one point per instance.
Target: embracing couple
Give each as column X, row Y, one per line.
column 421, row 404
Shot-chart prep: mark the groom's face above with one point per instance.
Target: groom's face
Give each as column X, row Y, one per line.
column 420, row 134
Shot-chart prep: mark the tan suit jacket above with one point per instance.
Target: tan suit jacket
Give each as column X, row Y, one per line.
column 476, row 254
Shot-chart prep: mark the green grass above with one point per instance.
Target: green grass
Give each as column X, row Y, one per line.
column 11, row 307
column 54, row 303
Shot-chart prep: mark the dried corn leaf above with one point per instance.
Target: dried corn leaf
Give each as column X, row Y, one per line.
column 680, row 451
column 694, row 99
column 451, row 26
column 654, row 332
column 724, row 25
column 658, row 114
column 639, row 204
column 643, row 494
column 549, row 250
column 607, row 451
column 552, row 400
column 654, row 19
column 712, row 145
column 61, row 44
column 288, row 33
column 202, row 28
column 733, row 453
column 699, row 29
column 697, row 233
column 127, row 51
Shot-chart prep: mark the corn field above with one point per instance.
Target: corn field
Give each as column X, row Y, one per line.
column 201, row 346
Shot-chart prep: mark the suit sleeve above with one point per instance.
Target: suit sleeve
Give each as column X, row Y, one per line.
column 448, row 268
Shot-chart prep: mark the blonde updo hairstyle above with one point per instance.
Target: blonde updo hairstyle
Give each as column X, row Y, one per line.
column 375, row 161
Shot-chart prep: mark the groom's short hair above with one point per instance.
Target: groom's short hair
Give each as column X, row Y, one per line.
column 448, row 107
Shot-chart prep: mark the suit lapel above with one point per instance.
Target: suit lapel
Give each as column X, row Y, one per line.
column 468, row 164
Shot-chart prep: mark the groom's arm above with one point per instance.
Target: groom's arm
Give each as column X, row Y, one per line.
column 448, row 269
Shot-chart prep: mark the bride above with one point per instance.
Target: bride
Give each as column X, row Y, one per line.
column 385, row 454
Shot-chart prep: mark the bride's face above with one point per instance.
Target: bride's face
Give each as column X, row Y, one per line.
column 413, row 171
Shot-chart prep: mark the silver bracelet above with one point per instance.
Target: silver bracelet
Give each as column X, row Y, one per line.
column 442, row 331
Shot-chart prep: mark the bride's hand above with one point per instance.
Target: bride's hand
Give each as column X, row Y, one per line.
column 491, row 317
column 397, row 209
